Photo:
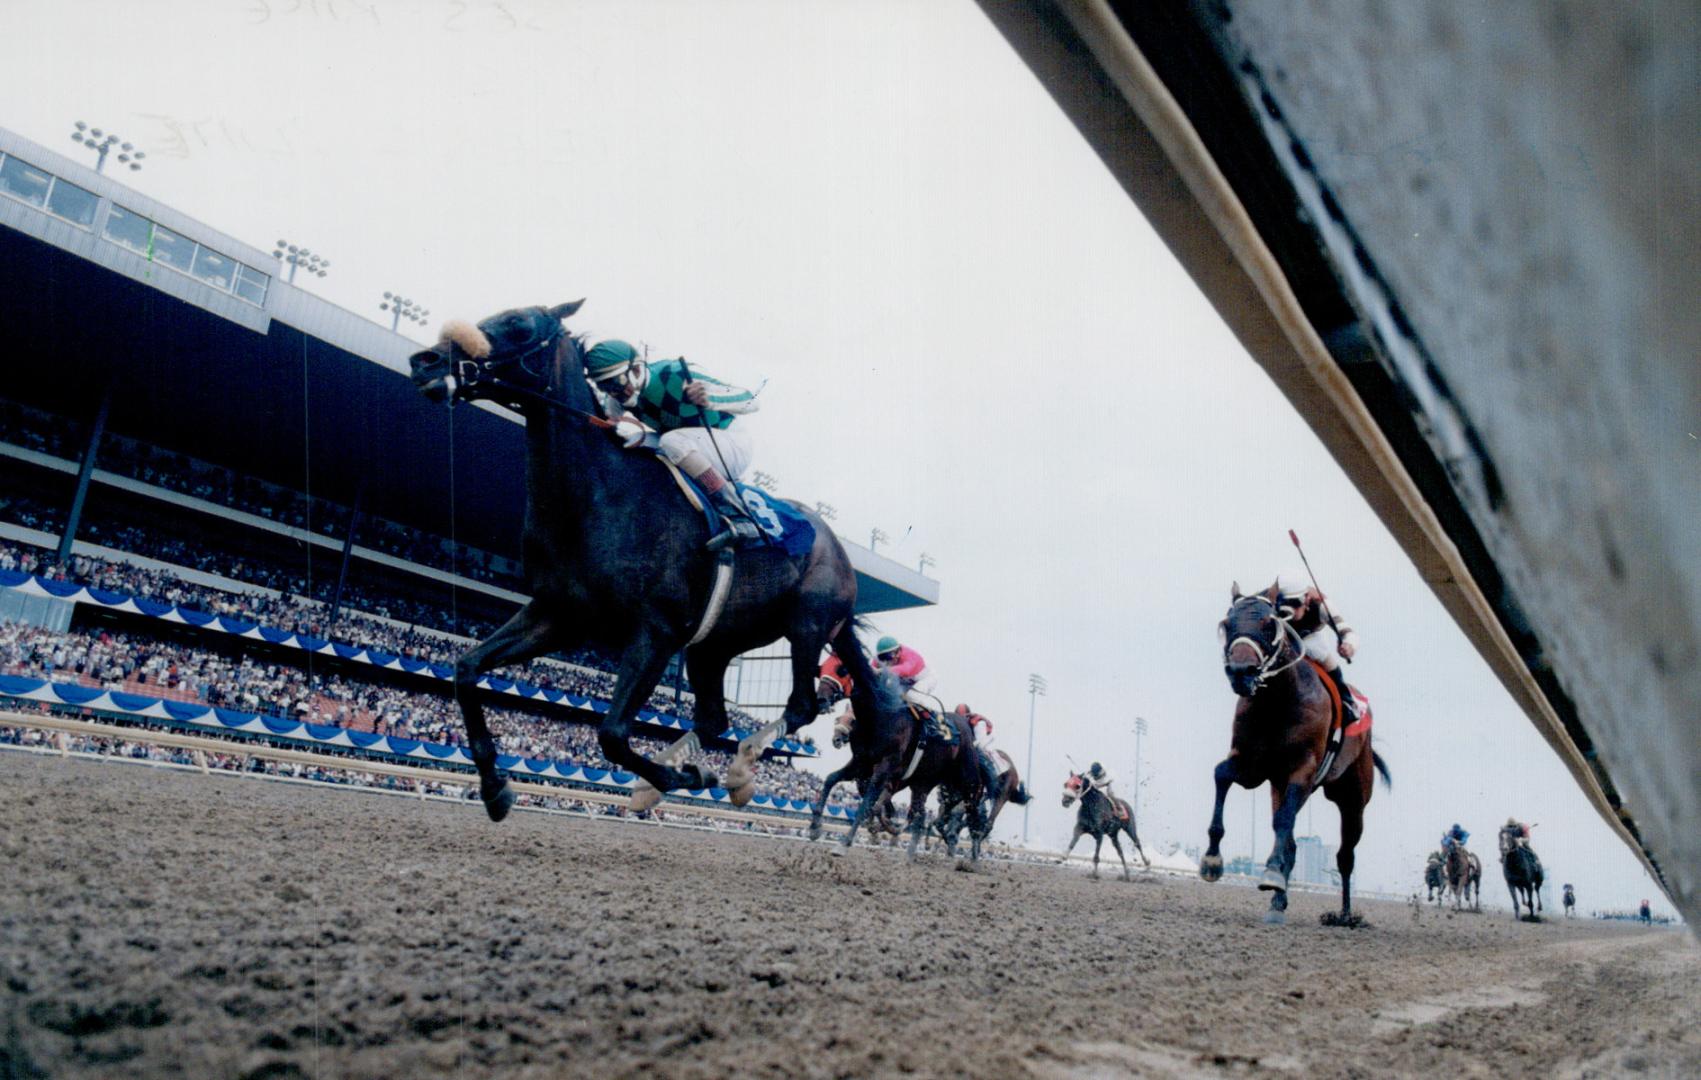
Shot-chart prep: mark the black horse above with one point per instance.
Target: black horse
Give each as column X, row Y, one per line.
column 1523, row 872
column 1101, row 816
column 1570, row 898
column 892, row 749
column 615, row 557
column 1282, row 728
column 1435, row 878
column 954, row 815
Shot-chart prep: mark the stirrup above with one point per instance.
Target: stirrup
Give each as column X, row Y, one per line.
column 735, row 529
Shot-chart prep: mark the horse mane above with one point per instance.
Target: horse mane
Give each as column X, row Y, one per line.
column 872, row 693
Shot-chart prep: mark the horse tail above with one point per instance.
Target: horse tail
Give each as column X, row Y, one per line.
column 1382, row 767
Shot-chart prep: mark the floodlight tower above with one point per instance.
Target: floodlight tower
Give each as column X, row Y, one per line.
column 102, row 142
column 1036, row 690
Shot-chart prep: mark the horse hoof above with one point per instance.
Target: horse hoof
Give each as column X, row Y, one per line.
column 1275, row 918
column 839, row 850
column 1211, row 867
column 1274, row 881
column 739, row 775
column 741, row 796
column 498, row 805
column 643, row 797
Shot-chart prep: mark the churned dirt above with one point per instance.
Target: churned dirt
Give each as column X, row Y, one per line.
column 155, row 923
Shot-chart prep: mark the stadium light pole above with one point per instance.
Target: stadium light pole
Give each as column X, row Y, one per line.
column 401, row 308
column 877, row 537
column 828, row 511
column 1139, row 733
column 924, row 562
column 764, row 480
column 102, row 142
column 300, row 257
column 1036, row 689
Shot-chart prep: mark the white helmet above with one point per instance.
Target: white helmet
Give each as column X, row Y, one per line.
column 1292, row 583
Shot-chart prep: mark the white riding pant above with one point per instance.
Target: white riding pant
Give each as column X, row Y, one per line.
column 920, row 692
column 1324, row 647
column 731, row 444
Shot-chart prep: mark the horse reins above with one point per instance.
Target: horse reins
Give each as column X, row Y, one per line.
column 1265, row 662
column 470, row 372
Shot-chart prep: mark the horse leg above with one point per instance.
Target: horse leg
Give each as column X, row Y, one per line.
column 978, row 826
column 641, row 668
column 1073, row 840
column 918, row 818
column 1116, row 842
column 871, row 796
column 526, row 634
column 1284, row 809
column 800, row 710
column 1098, row 844
column 1211, row 866
column 707, row 667
column 827, row 786
column 1135, row 838
column 1352, row 827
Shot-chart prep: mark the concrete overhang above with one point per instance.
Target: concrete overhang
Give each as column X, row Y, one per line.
column 1511, row 394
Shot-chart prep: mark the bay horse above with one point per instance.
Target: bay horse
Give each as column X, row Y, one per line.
column 890, row 750
column 1464, row 877
column 1570, row 898
column 1523, row 873
column 1435, row 878
column 1101, row 816
column 615, row 557
column 1282, row 727
column 955, row 818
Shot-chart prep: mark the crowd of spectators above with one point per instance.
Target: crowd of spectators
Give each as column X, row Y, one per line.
column 294, row 613
column 36, row 430
column 150, row 666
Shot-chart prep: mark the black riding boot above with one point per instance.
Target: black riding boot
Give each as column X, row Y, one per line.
column 1349, row 709
column 740, row 525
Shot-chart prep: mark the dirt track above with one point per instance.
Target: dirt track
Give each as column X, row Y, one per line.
column 156, row 923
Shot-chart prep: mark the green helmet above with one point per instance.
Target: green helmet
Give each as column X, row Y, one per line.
column 609, row 358
column 886, row 644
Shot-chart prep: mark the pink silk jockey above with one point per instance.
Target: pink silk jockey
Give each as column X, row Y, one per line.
column 908, row 666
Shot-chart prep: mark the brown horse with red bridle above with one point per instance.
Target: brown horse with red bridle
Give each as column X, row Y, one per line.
column 1287, row 731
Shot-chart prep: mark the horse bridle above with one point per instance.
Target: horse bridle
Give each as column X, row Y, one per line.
column 1268, row 654
column 472, row 372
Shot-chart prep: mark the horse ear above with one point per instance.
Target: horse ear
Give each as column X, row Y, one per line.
column 561, row 311
column 1234, row 592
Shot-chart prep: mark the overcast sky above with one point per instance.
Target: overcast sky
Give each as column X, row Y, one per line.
column 971, row 339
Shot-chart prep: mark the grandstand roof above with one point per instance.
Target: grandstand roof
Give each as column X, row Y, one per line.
column 224, row 361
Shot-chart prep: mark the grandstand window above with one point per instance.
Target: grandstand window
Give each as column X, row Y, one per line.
column 22, row 180
column 129, row 229
column 213, row 268
column 72, row 203
column 251, row 284
column 175, row 251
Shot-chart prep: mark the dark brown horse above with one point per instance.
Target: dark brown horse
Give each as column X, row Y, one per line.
column 615, row 557
column 1282, row 728
column 1435, row 878
column 892, row 749
column 1523, row 872
column 1101, row 816
column 1464, row 877
column 953, row 819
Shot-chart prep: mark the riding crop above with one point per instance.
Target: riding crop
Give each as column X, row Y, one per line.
column 1326, row 612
